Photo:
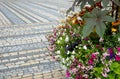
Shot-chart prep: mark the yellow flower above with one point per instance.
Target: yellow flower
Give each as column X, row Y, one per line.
column 74, row 21
column 113, row 29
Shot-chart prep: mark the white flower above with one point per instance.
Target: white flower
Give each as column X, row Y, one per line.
column 101, row 40
column 58, row 52
column 67, row 59
column 68, row 52
column 73, row 52
column 63, row 34
column 118, row 39
column 72, row 56
column 85, row 47
column 60, row 38
column 85, row 75
column 58, row 41
column 79, row 18
column 67, row 39
column 63, row 60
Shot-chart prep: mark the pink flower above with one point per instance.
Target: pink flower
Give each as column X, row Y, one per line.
column 85, row 75
column 74, row 70
column 94, row 56
column 79, row 77
column 104, row 74
column 101, row 40
column 83, row 67
column 79, row 65
column 105, row 54
column 90, row 62
column 117, row 58
column 67, row 74
column 51, row 48
column 97, row 46
column 118, row 48
column 107, row 69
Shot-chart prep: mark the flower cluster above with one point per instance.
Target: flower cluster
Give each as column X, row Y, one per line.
column 91, row 55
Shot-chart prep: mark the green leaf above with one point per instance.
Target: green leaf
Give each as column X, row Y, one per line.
column 98, row 69
column 115, row 65
column 117, row 2
column 97, row 1
column 111, row 75
column 100, row 29
column 88, row 15
column 117, row 70
column 108, row 19
column 105, row 3
column 118, row 76
column 87, row 29
column 96, row 18
column 91, row 2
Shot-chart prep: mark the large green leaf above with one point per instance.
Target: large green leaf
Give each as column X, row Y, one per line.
column 97, row 18
column 100, row 28
column 87, row 29
column 115, row 65
column 108, row 19
column 117, row 70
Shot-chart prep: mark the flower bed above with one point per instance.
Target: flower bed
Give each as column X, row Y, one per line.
column 87, row 42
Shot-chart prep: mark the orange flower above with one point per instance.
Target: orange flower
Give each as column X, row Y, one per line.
column 61, row 27
column 116, row 23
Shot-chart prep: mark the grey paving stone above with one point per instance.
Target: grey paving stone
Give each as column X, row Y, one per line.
column 22, row 43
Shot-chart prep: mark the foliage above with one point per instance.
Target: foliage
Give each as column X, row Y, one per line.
column 87, row 42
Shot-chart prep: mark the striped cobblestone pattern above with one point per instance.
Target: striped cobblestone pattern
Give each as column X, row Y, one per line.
column 24, row 25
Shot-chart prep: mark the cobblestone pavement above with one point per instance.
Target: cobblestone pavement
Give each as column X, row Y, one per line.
column 23, row 27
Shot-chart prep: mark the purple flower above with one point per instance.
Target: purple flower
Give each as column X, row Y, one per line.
column 112, row 55
column 67, row 74
column 111, row 52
